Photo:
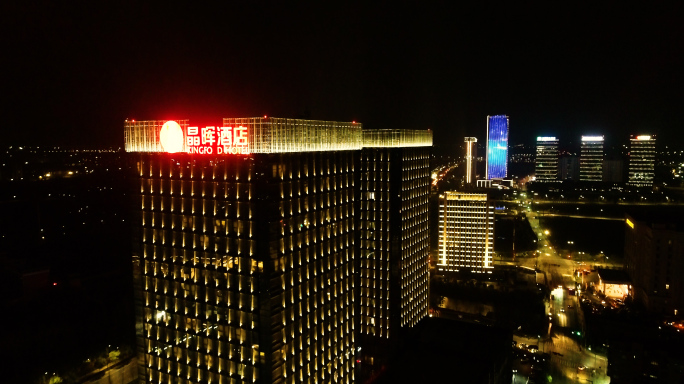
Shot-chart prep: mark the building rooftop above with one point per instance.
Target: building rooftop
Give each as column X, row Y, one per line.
column 659, row 217
column 249, row 135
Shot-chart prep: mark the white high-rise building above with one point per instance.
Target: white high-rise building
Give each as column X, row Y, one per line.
column 591, row 158
column 471, row 159
column 641, row 160
column 546, row 161
column 466, row 233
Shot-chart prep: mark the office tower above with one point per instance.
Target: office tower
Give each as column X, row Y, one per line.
column 246, row 265
column 654, row 243
column 497, row 147
column 546, row 161
column 641, row 160
column 591, row 158
column 466, row 233
column 471, row 159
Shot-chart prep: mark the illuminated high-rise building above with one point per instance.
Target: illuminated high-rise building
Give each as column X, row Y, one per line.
column 591, row 158
column 247, row 262
column 641, row 160
column 497, row 147
column 466, row 233
column 471, row 159
column 546, row 160
column 393, row 222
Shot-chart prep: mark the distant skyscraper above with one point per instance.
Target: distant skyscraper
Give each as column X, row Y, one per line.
column 591, row 158
column 247, row 251
column 471, row 159
column 466, row 232
column 546, row 161
column 497, row 147
column 641, row 160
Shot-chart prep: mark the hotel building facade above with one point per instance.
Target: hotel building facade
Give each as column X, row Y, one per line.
column 250, row 257
column 466, row 233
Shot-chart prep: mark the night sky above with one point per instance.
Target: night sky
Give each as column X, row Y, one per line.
column 71, row 73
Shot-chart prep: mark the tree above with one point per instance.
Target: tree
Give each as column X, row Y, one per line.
column 114, row 355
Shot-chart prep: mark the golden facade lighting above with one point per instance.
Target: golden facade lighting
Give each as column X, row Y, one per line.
column 466, row 233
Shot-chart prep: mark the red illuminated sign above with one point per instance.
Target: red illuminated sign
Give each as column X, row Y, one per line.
column 207, row 140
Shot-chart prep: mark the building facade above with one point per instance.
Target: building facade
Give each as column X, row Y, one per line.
column 247, row 261
column 497, row 147
column 591, row 158
column 641, row 160
column 470, row 156
column 654, row 259
column 546, row 160
column 394, row 194
column 466, row 233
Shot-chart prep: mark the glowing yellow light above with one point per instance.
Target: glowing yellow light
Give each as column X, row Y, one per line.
column 631, row 225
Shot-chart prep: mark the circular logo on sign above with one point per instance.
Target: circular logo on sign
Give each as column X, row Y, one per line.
column 171, row 137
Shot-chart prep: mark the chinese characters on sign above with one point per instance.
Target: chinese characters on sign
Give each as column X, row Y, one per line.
column 217, row 140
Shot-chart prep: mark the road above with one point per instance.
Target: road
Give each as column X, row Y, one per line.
column 569, row 360
column 584, row 216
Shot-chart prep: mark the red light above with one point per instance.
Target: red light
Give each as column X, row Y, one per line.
column 358, row 361
column 54, row 283
column 354, row 122
column 265, row 117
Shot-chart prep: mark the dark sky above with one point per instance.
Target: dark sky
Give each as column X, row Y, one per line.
column 71, row 73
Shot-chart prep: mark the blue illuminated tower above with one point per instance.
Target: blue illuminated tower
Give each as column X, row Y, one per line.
column 497, row 147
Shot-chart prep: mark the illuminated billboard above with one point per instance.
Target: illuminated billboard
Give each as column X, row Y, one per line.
column 217, row 140
column 249, row 135
column 497, row 147
column 176, row 136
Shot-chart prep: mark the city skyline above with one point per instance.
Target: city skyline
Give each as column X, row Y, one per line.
column 292, row 192
column 404, row 67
